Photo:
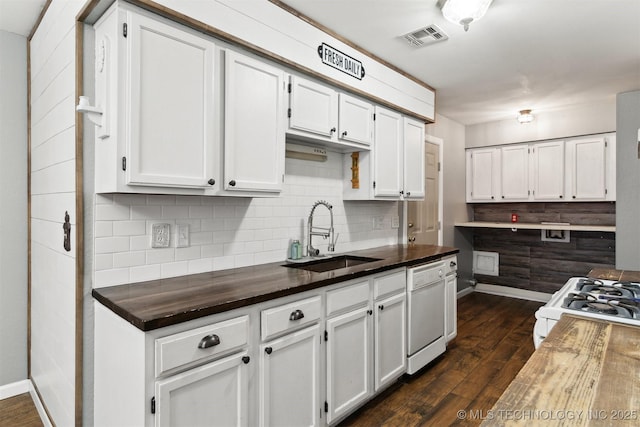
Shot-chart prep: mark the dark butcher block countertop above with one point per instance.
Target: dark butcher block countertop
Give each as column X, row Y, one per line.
column 164, row 302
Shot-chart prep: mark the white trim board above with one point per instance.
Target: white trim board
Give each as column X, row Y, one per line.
column 506, row 291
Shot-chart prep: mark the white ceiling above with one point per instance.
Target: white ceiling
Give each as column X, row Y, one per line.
column 546, row 55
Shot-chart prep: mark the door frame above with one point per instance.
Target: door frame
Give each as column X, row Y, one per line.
column 405, row 207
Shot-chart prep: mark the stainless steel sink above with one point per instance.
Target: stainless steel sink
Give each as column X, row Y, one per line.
column 333, row 263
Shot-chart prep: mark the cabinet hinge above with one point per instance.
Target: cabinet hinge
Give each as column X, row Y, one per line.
column 124, row 30
column 326, row 336
column 606, row 191
column 374, row 117
column 528, row 192
column 153, row 405
column 124, row 163
column 289, row 113
column 282, row 177
column 439, row 166
column 374, row 184
column 289, row 88
column 439, row 225
column 326, row 406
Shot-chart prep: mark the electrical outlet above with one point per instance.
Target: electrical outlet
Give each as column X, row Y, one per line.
column 182, row 236
column 378, row 222
column 395, row 222
column 160, row 235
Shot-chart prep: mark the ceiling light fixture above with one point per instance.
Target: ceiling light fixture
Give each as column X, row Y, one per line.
column 464, row 12
column 525, row 117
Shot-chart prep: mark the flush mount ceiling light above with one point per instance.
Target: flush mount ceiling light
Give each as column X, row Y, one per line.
column 525, row 117
column 464, row 12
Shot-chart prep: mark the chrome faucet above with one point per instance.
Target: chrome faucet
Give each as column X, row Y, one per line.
column 320, row 231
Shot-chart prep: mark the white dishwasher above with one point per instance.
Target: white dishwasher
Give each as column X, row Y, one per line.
column 425, row 314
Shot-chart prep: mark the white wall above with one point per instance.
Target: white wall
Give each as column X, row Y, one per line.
column 583, row 120
column 455, row 208
column 53, row 163
column 229, row 232
column 13, row 208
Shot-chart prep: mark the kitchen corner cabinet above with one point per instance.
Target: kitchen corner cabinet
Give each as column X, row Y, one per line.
column 576, row 169
column 157, row 133
column 253, row 125
column 318, row 113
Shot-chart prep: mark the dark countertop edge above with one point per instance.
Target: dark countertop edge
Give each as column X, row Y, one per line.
column 149, row 324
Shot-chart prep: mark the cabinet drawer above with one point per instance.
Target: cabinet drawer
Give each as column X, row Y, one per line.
column 347, row 297
column 390, row 283
column 277, row 320
column 184, row 348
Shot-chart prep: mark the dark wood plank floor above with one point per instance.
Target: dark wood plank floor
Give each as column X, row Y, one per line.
column 19, row 411
column 494, row 341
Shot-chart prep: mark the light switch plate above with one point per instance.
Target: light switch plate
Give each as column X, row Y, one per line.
column 160, row 235
column 182, row 236
column 395, row 222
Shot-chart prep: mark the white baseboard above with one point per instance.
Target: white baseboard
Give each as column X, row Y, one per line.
column 21, row 387
column 14, row 389
column 507, row 291
column 465, row 291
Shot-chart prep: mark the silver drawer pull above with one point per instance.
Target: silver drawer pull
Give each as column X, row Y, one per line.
column 209, row 341
column 296, row 315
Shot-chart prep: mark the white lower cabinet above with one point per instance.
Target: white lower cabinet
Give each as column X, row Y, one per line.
column 213, row 394
column 308, row 359
column 451, row 306
column 290, row 379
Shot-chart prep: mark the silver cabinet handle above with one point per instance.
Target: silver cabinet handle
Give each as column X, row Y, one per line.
column 296, row 315
column 209, row 341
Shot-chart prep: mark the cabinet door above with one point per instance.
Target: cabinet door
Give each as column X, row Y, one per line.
column 170, row 103
column 290, row 379
column 349, row 362
column 587, row 168
column 254, row 125
column 414, row 169
column 211, row 395
column 390, row 342
column 483, row 172
column 355, row 120
column 548, row 170
column 387, row 154
column 312, row 107
column 451, row 306
column 514, row 162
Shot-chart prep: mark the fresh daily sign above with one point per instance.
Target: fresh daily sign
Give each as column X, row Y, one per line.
column 340, row 61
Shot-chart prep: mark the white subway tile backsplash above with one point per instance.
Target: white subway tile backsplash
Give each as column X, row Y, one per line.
column 230, row 232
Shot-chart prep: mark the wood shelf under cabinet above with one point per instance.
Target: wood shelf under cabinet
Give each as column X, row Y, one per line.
column 536, row 226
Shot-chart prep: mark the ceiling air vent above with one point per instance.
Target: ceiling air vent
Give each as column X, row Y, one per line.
column 425, row 36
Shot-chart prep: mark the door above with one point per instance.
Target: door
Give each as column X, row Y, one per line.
column 355, row 120
column 483, row 174
column 423, row 216
column 312, row 107
column 390, row 352
column 414, row 161
column 170, row 140
column 387, row 154
column 548, row 170
column 254, row 125
column 349, row 361
column 290, row 379
column 211, row 395
column 587, row 168
column 515, row 173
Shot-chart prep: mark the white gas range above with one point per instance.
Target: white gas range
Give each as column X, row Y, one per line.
column 616, row 301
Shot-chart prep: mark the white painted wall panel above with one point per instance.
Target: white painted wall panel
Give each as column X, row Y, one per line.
column 53, row 190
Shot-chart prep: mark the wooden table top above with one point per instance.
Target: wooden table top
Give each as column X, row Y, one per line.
column 159, row 303
column 585, row 373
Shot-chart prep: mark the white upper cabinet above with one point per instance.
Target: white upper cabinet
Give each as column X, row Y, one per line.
column 590, row 168
column 547, row 159
column 355, row 122
column 414, row 159
column 253, row 125
column 483, row 174
column 514, row 161
column 387, row 155
column 318, row 113
column 579, row 169
column 155, row 84
column 313, row 108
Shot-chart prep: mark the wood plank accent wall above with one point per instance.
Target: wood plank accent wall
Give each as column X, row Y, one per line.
column 526, row 262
